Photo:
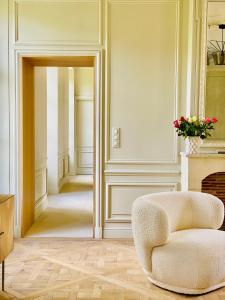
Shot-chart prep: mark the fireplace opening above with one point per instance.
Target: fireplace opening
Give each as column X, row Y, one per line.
column 215, row 184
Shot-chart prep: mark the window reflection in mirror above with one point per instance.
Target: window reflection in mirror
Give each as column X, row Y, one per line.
column 215, row 74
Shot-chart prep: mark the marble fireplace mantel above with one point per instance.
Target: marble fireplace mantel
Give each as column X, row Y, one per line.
column 195, row 167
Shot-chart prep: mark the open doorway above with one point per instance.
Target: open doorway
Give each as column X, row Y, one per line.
column 58, row 137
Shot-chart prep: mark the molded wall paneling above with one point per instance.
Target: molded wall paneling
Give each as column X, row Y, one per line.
column 144, row 69
column 120, row 197
column 72, row 151
column 40, row 184
column 84, row 86
column 143, row 40
column 58, row 127
column 52, row 129
column 40, row 98
column 63, row 113
column 50, row 22
column 84, row 120
column 85, row 123
column 63, row 124
column 4, row 100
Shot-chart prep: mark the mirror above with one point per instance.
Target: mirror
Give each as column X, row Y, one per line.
column 215, row 69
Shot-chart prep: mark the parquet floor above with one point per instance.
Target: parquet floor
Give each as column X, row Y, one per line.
column 66, row 269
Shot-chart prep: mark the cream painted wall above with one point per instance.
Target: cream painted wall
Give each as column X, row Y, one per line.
column 63, row 124
column 52, row 129
column 142, row 87
column 58, row 127
column 40, row 98
column 143, row 70
column 72, row 107
column 84, row 122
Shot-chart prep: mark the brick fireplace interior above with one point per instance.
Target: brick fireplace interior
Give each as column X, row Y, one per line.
column 215, row 184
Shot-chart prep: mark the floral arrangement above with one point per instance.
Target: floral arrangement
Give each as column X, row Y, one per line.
column 194, row 126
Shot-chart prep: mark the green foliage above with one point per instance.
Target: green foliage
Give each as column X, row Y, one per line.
column 193, row 126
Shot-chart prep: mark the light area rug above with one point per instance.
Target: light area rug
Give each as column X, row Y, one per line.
column 69, row 214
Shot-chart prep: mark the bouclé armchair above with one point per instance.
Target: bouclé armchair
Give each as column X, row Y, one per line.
column 177, row 241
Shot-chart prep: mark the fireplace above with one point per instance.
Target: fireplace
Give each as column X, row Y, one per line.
column 204, row 172
column 215, row 184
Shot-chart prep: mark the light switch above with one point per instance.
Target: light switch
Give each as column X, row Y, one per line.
column 115, row 137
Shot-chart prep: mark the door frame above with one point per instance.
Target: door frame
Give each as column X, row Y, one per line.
column 16, row 129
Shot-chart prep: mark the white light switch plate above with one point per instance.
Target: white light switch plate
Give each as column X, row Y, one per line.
column 116, row 137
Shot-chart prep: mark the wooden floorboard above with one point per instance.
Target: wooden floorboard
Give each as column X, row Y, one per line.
column 67, row 269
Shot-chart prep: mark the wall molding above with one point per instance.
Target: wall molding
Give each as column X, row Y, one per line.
column 84, row 98
column 57, row 42
column 125, row 218
column 108, row 159
column 15, row 128
column 118, row 233
column 141, row 173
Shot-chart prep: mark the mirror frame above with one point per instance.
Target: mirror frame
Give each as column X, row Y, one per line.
column 201, row 61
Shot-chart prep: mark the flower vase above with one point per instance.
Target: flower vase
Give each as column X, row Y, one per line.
column 193, row 144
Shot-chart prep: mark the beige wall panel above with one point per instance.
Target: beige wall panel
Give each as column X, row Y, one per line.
column 85, row 159
column 58, row 22
column 63, row 113
column 40, row 99
column 120, row 197
column 85, row 123
column 40, row 96
column 84, row 119
column 84, row 82
column 40, row 184
column 143, row 79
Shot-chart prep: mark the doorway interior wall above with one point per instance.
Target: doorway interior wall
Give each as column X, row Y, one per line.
column 26, row 131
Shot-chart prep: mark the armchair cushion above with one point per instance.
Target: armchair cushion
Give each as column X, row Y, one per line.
column 192, row 261
column 177, row 242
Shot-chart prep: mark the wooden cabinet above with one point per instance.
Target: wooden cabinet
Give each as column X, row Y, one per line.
column 6, row 229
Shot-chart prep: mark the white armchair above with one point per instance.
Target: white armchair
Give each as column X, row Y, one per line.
column 177, row 241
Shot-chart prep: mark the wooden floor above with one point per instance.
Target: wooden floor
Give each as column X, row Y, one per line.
column 47, row 269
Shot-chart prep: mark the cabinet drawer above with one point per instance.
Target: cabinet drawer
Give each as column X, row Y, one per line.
column 6, row 226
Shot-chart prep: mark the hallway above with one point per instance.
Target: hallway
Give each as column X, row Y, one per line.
column 69, row 213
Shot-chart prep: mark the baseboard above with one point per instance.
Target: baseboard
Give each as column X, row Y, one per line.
column 117, row 233
column 63, row 181
column 72, row 173
column 40, row 206
column 84, row 171
column 98, row 232
column 53, row 190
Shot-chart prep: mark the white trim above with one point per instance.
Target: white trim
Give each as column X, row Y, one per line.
column 84, row 98
column 98, row 232
column 15, row 127
column 141, row 173
column 117, row 233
